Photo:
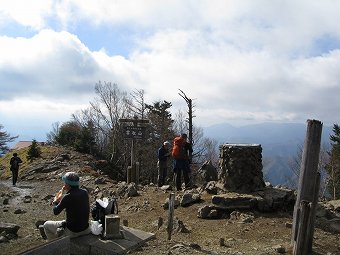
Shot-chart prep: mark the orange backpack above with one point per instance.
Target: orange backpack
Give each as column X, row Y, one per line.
column 178, row 149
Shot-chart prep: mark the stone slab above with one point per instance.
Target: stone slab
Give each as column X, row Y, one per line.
column 54, row 247
column 93, row 245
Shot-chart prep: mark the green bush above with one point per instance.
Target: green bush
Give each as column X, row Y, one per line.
column 33, row 151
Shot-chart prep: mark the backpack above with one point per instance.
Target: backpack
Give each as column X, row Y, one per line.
column 15, row 163
column 178, row 149
column 102, row 208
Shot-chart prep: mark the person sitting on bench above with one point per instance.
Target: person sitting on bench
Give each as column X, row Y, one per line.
column 77, row 206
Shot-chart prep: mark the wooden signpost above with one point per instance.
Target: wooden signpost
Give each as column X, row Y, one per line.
column 134, row 130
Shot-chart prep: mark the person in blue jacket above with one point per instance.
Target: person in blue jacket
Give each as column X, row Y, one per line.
column 163, row 154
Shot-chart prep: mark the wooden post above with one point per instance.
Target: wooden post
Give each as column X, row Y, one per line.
column 301, row 240
column 313, row 212
column 133, row 172
column 308, row 174
column 171, row 214
column 128, row 175
column 137, row 173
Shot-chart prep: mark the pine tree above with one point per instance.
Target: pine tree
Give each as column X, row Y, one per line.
column 333, row 167
column 4, row 139
column 33, row 151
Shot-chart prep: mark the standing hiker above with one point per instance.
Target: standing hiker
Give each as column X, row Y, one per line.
column 14, row 162
column 180, row 153
column 163, row 154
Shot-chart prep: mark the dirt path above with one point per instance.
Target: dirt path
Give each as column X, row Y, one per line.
column 22, row 190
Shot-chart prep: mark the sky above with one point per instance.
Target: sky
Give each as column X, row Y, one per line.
column 242, row 62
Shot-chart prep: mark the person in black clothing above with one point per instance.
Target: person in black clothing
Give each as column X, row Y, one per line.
column 14, row 162
column 163, row 154
column 77, row 206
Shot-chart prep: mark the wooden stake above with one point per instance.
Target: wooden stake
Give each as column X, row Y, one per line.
column 171, row 214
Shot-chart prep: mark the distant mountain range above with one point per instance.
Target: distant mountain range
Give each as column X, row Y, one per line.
column 280, row 144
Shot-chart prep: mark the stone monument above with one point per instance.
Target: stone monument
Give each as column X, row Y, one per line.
column 241, row 167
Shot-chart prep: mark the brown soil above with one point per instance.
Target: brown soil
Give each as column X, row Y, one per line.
column 266, row 232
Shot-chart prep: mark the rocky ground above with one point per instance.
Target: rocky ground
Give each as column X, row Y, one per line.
column 28, row 202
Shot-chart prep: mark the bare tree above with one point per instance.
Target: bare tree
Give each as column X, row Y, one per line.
column 295, row 163
column 190, row 116
column 136, row 103
column 180, row 125
column 51, row 136
column 104, row 113
column 324, row 160
column 204, row 148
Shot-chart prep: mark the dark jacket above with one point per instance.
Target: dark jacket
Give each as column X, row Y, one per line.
column 14, row 162
column 163, row 153
column 76, row 203
column 188, row 149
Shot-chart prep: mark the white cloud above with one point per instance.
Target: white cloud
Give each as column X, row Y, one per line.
column 31, row 14
column 246, row 60
column 51, row 64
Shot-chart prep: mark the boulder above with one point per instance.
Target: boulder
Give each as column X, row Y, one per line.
column 166, row 203
column 234, row 201
column 9, row 228
column 275, row 199
column 208, row 212
column 190, row 197
column 211, row 188
column 335, row 204
column 207, row 172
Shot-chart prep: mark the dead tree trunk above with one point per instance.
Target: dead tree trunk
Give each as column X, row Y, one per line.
column 190, row 117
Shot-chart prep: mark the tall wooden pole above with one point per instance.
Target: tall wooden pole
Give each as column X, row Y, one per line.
column 313, row 213
column 308, row 177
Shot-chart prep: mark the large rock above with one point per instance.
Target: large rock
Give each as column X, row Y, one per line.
column 234, row 201
column 190, row 197
column 327, row 216
column 9, row 228
column 335, row 204
column 208, row 212
column 275, row 199
column 267, row 200
column 207, row 173
column 127, row 190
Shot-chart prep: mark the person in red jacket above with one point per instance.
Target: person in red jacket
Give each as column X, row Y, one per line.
column 180, row 153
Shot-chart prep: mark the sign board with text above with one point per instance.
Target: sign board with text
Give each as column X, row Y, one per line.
column 131, row 132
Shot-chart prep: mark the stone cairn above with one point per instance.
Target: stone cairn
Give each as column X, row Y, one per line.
column 241, row 167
